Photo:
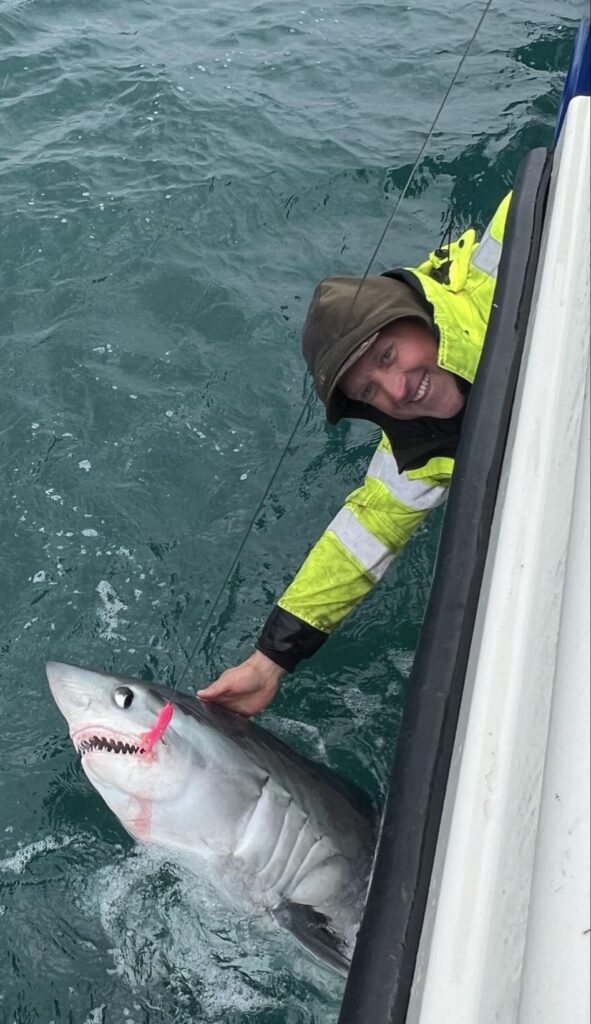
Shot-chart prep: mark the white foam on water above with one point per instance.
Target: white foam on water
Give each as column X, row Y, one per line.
column 362, row 705
column 25, row 854
column 170, row 935
column 168, row 932
column 108, row 615
column 310, row 735
column 97, row 1015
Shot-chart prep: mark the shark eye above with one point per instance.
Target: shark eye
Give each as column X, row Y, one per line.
column 123, row 696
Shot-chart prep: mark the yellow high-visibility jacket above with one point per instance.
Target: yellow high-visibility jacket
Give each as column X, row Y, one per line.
column 379, row 517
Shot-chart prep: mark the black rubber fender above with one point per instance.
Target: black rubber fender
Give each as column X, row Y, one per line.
column 381, row 975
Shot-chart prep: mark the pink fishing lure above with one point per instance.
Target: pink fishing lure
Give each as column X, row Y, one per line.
column 148, row 740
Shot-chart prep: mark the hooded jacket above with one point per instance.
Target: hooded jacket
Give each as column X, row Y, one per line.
column 451, row 292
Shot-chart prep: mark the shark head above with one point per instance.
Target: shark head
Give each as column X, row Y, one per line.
column 141, row 768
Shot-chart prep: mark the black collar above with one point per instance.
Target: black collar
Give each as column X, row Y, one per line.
column 413, row 442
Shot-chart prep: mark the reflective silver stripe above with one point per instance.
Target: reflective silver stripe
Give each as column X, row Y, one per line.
column 419, row 495
column 370, row 551
column 487, row 254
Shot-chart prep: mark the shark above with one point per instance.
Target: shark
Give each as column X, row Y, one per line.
column 278, row 833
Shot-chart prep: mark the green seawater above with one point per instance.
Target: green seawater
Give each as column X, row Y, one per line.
column 174, row 179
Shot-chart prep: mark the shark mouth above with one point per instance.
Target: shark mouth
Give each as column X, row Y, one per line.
column 147, row 740
column 103, row 743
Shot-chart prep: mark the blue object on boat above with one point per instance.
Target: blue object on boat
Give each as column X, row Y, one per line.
column 578, row 80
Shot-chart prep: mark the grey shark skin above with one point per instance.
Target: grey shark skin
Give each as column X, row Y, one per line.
column 227, row 797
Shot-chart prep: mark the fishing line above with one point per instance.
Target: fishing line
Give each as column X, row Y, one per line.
column 422, row 149
column 309, row 397
column 242, row 544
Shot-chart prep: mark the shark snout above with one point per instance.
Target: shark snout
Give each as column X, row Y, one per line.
column 67, row 686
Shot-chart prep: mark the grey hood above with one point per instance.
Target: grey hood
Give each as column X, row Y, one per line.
column 343, row 320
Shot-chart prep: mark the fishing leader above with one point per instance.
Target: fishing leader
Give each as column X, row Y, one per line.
column 401, row 350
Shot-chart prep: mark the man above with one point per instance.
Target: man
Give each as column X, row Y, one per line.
column 400, row 350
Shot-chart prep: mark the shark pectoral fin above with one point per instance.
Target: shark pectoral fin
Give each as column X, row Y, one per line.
column 312, row 929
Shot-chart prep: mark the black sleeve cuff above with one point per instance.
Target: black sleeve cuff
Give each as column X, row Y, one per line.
column 286, row 640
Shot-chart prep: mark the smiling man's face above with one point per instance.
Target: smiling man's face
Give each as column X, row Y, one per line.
column 399, row 375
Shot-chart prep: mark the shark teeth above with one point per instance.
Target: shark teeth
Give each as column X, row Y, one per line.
column 103, row 743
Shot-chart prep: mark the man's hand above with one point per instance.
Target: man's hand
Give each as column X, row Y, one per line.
column 248, row 687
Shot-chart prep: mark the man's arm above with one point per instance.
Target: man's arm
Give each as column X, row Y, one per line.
column 352, row 555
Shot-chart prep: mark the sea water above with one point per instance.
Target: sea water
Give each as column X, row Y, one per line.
column 174, row 180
